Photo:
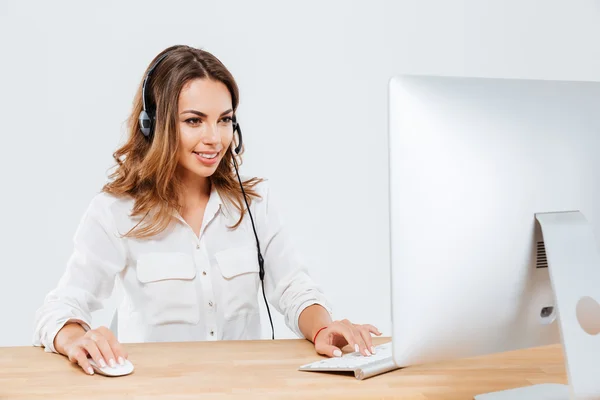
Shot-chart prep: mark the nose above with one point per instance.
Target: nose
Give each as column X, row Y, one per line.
column 210, row 134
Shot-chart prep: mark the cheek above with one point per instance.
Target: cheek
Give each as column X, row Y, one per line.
column 227, row 139
column 186, row 137
column 185, row 143
column 188, row 140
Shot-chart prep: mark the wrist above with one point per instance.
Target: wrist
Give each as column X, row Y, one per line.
column 66, row 335
column 316, row 334
column 311, row 319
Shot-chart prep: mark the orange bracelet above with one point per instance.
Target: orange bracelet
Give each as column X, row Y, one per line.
column 319, row 331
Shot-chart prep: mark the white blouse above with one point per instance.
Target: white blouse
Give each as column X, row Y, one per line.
column 178, row 286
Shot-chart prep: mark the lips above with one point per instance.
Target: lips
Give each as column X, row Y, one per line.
column 207, row 158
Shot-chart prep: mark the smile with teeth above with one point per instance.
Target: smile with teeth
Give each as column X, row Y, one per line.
column 207, row 155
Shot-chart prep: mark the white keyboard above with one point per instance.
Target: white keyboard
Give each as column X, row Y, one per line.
column 363, row 366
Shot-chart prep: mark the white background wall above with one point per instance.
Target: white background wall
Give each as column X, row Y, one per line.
column 313, row 77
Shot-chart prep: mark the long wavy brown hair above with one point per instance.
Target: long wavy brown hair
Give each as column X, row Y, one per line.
column 146, row 167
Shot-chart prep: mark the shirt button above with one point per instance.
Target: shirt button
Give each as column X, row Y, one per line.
column 210, row 303
column 212, row 333
column 203, row 272
column 197, row 247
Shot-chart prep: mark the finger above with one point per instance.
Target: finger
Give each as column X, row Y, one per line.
column 365, row 333
column 117, row 348
column 328, row 349
column 359, row 346
column 345, row 331
column 80, row 357
column 119, row 351
column 347, row 323
column 92, row 348
column 105, row 349
column 372, row 329
column 362, row 346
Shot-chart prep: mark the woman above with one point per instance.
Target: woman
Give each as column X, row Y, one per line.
column 183, row 234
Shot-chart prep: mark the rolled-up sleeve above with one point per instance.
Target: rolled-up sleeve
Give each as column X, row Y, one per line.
column 288, row 284
column 98, row 256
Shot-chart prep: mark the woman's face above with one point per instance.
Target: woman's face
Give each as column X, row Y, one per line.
column 205, row 125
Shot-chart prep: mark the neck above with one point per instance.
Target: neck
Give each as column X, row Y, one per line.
column 195, row 191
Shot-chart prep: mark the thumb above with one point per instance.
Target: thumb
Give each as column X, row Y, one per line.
column 328, row 350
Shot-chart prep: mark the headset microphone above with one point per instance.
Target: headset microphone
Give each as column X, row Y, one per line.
column 236, row 127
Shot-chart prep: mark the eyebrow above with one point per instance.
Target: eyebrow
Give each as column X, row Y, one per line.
column 201, row 114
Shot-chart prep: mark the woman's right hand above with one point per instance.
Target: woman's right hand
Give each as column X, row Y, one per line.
column 100, row 344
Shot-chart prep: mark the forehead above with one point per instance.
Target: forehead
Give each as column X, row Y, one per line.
column 206, row 95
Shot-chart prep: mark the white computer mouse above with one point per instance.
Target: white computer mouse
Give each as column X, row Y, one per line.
column 118, row 370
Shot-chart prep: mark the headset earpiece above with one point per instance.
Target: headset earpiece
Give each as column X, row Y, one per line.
column 146, row 123
column 147, row 117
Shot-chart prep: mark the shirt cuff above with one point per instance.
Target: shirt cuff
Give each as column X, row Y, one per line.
column 48, row 344
column 303, row 306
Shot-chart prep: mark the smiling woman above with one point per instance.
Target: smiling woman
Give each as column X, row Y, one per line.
column 175, row 225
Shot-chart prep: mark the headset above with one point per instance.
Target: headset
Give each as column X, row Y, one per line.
column 147, row 122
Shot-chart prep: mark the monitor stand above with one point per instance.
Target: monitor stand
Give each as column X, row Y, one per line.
column 574, row 268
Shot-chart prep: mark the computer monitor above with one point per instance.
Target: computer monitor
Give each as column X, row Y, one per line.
column 494, row 220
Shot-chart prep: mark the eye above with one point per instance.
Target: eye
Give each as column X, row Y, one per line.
column 227, row 120
column 193, row 121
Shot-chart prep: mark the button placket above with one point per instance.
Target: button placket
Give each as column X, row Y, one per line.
column 207, row 289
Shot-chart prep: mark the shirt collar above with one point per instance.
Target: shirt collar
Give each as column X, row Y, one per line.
column 215, row 202
column 215, row 205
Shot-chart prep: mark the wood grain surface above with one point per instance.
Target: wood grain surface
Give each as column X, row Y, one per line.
column 265, row 370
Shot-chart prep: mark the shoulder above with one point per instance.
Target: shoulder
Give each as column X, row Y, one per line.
column 261, row 188
column 257, row 190
column 107, row 202
column 267, row 210
column 268, row 201
column 109, row 209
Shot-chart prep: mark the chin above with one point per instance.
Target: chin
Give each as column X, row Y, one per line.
column 204, row 172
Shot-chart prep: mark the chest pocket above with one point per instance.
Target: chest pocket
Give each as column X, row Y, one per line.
column 239, row 280
column 168, row 288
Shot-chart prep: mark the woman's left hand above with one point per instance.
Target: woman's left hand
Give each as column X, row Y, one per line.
column 338, row 334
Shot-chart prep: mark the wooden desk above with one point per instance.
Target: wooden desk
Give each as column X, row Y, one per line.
column 264, row 369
